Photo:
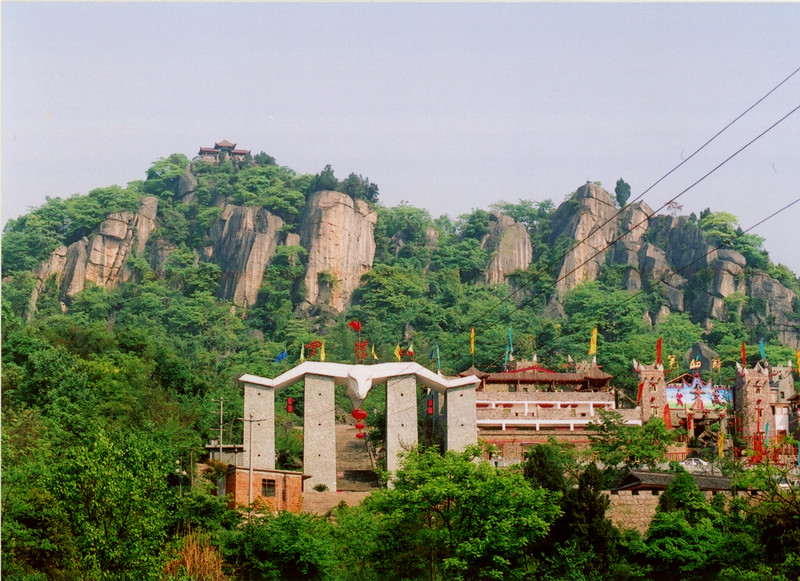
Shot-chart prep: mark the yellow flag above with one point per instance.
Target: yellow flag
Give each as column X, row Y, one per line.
column 374, row 356
column 397, row 351
column 720, row 443
column 472, row 342
column 797, row 355
column 322, row 352
column 302, row 353
column 593, row 342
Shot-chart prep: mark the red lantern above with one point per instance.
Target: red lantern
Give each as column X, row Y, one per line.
column 360, row 426
column 289, row 405
column 359, row 414
column 430, row 407
column 360, row 435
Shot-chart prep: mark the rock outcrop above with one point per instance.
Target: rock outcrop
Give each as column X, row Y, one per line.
column 187, row 184
column 509, row 248
column 672, row 254
column 338, row 233
column 667, row 252
column 102, row 258
column 774, row 306
column 588, row 219
column 244, row 242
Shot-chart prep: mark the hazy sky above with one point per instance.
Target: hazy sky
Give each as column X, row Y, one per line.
column 450, row 107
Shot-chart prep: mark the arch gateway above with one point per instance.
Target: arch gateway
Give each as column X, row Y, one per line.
column 319, row 435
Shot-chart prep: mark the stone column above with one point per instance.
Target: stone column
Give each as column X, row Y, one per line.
column 259, row 427
column 319, row 432
column 462, row 426
column 401, row 418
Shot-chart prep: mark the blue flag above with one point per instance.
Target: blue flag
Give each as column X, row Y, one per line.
column 761, row 349
column 282, row 356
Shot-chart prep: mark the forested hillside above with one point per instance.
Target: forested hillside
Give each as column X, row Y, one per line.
column 128, row 312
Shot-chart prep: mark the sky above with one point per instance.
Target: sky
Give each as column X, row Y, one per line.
column 448, row 107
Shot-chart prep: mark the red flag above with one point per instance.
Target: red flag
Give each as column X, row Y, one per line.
column 639, row 396
column 658, row 351
column 667, row 417
column 744, row 355
column 312, row 347
column 355, row 325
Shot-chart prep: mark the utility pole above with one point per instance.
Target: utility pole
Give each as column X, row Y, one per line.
column 221, row 399
column 250, row 421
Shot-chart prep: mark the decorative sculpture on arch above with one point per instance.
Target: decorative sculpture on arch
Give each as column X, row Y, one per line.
column 319, row 436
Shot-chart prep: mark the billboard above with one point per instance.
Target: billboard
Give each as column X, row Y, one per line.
column 699, row 396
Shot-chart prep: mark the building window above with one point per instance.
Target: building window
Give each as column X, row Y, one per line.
column 267, row 487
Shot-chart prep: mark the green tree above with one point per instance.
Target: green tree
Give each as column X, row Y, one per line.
column 325, row 180
column 618, row 444
column 285, row 547
column 460, row 518
column 115, row 488
column 358, row 187
column 623, row 192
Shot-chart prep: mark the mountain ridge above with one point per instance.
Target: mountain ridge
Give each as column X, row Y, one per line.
column 239, row 216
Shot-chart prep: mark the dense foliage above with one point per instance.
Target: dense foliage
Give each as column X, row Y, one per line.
column 107, row 406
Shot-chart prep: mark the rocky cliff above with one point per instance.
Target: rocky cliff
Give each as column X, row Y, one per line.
column 102, row 258
column 338, row 233
column 509, row 247
column 588, row 218
column 672, row 254
column 244, row 242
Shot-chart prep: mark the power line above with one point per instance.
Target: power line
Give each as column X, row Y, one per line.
column 615, row 240
column 699, row 258
column 712, row 249
column 555, row 261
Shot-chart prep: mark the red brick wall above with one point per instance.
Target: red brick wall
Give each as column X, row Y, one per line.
column 288, row 489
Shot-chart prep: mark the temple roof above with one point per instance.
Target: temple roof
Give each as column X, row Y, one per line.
column 225, row 143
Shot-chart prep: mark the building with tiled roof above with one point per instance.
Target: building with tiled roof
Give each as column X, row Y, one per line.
column 222, row 150
column 528, row 404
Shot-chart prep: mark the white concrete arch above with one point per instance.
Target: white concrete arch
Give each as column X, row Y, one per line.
column 319, row 437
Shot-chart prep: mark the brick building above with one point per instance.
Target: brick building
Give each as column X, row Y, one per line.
column 273, row 490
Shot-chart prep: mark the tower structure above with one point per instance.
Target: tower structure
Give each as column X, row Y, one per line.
column 753, row 405
column 652, row 398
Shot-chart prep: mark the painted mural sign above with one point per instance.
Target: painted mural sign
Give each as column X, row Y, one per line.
column 699, row 396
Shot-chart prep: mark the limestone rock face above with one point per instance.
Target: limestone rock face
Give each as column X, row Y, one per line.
column 771, row 300
column 101, row 258
column 634, row 220
column 587, row 217
column 509, row 247
column 244, row 242
column 187, row 184
column 338, row 233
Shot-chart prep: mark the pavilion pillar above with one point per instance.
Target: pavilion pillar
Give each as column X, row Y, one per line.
column 462, row 425
column 319, row 432
column 259, row 427
column 401, row 418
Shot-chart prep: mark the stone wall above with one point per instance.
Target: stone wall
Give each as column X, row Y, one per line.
column 634, row 509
